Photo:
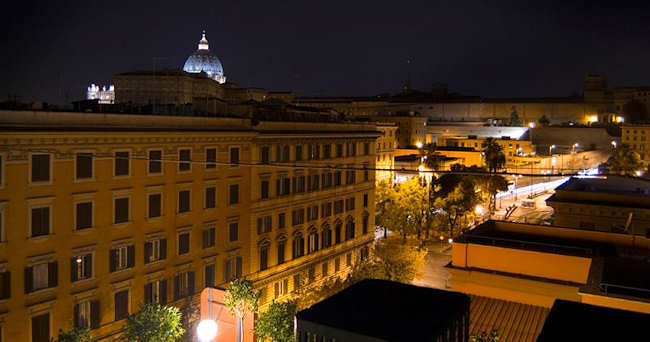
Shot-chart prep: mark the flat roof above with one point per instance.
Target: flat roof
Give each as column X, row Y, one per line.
column 608, row 184
column 390, row 311
column 573, row 321
column 626, row 276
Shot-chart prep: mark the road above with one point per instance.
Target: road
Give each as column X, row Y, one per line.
column 434, row 273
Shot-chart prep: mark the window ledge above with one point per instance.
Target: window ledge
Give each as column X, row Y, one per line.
column 155, row 262
column 122, row 224
column 84, row 231
column 45, row 290
column 40, row 237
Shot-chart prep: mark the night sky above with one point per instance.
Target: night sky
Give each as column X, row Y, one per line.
column 52, row 50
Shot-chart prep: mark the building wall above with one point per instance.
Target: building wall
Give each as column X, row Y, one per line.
column 177, row 89
column 637, row 137
column 411, row 130
column 17, row 195
column 386, row 145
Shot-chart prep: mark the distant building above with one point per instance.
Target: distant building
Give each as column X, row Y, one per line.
column 603, row 203
column 637, row 137
column 535, row 264
column 203, row 61
column 381, row 310
column 103, row 95
column 411, row 129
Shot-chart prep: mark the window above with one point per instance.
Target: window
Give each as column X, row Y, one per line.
column 155, row 205
column 264, row 189
column 86, row 314
column 121, row 258
column 5, row 285
column 337, row 178
column 312, row 242
column 298, row 246
column 337, row 232
column 233, row 194
column 41, row 276
column 299, row 184
column 365, row 200
column 210, row 158
column 41, row 328
column 122, row 161
column 264, row 256
column 339, row 150
column 40, row 168
column 298, row 216
column 348, row 259
column 325, row 269
column 84, row 215
column 155, row 250
column 315, row 152
column 338, row 207
column 285, row 153
column 364, row 225
column 363, row 253
column 121, row 207
column 210, row 197
column 366, row 148
column 84, row 165
column 283, row 185
column 81, row 267
column 366, row 173
column 233, row 231
column 183, row 243
column 313, row 182
column 265, row 155
column 40, row 221
column 234, row 156
column 297, row 281
column 156, row 292
column 326, row 237
column 263, row 224
column 281, row 245
column 298, row 152
column 337, row 264
column 349, row 230
column 282, row 220
column 350, row 176
column 312, row 213
column 184, row 160
column 311, row 274
column 281, row 288
column 121, row 304
column 327, row 151
column 183, row 285
column 351, row 149
column 232, row 269
column 349, row 204
column 209, row 272
column 326, row 209
column 209, row 237
column 155, row 161
column 183, row 201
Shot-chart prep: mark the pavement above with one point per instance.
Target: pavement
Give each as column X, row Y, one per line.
column 434, row 273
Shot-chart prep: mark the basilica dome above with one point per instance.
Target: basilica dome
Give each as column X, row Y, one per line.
column 204, row 61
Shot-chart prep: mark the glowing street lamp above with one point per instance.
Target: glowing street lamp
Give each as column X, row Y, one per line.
column 531, row 124
column 614, row 143
column 418, row 144
column 550, row 149
column 639, row 173
column 450, row 240
column 479, row 209
column 206, row 330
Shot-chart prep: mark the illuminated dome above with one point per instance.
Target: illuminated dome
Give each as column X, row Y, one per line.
column 203, row 61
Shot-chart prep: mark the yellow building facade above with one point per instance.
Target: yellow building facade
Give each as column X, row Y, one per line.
column 386, row 145
column 637, row 137
column 101, row 213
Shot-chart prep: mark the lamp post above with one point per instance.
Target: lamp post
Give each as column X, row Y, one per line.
column 206, row 330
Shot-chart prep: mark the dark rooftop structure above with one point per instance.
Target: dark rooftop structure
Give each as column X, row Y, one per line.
column 572, row 321
column 380, row 310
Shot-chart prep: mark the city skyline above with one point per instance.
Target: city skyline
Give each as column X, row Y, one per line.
column 334, row 49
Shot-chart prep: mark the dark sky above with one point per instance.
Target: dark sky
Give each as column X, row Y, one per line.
column 51, row 50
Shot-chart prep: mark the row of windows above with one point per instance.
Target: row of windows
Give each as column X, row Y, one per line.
column 40, row 163
column 285, row 185
column 311, row 152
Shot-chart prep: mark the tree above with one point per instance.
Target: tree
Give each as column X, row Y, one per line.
column 623, row 161
column 458, row 203
column 241, row 298
column 493, row 154
column 413, row 200
column 155, row 323
column 190, row 315
column 493, row 336
column 276, row 322
column 74, row 335
column 544, row 121
column 514, row 117
column 386, row 207
column 396, row 262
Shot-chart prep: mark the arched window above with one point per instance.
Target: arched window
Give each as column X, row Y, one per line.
column 337, row 232
column 282, row 242
column 264, row 254
column 326, row 236
column 349, row 229
column 364, row 224
column 312, row 240
column 298, row 245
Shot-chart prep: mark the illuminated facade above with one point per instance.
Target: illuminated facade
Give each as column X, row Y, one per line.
column 386, row 145
column 103, row 94
column 637, row 137
column 95, row 223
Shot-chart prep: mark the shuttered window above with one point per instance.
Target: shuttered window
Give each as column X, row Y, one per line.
column 210, row 275
column 183, row 243
column 84, row 215
column 184, row 160
column 81, row 267
column 5, row 285
column 86, row 315
column 122, row 161
column 233, row 268
column 281, row 245
column 40, row 167
column 121, row 304
column 121, row 207
column 121, row 258
column 233, row 194
column 155, row 250
column 156, row 292
column 183, row 201
column 40, row 221
column 155, row 205
column 183, row 285
column 41, row 328
column 155, row 161
column 264, row 189
column 41, row 276
column 209, row 237
column 234, row 156
column 210, row 197
column 233, row 231
column 264, row 257
column 210, row 158
column 84, row 165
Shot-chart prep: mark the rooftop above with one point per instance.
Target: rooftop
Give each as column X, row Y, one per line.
column 573, row 321
column 608, row 184
column 381, row 309
column 514, row 321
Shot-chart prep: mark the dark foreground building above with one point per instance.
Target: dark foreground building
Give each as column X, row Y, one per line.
column 380, row 310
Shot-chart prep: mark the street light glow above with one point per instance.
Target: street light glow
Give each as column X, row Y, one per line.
column 531, row 124
column 206, row 330
column 479, row 209
column 418, row 144
column 614, row 143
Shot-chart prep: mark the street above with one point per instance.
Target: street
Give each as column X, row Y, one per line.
column 434, row 273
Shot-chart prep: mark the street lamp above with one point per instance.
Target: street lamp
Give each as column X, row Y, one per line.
column 206, row 330
column 418, row 144
column 550, row 150
column 574, row 147
column 614, row 143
